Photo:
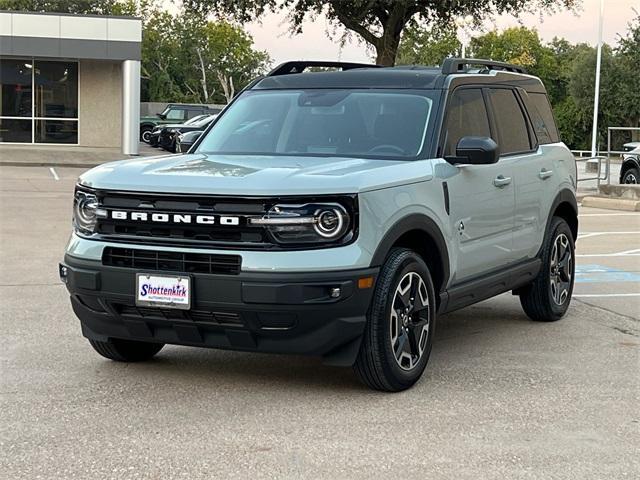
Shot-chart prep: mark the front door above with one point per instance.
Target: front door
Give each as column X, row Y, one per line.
column 482, row 197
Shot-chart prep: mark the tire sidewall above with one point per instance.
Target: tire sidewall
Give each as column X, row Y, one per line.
column 410, row 262
column 633, row 171
column 560, row 226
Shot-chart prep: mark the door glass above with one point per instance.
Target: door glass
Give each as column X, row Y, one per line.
column 56, row 86
column 512, row 126
column 15, row 83
column 175, row 115
column 467, row 116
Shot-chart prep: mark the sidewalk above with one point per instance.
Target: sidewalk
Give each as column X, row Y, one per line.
column 65, row 156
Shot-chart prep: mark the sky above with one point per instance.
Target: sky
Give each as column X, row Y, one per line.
column 272, row 32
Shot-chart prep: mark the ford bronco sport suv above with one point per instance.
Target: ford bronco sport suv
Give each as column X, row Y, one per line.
column 333, row 213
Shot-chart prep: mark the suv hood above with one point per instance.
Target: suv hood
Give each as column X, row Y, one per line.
column 255, row 175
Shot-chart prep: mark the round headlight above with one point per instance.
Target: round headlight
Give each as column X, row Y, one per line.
column 85, row 206
column 330, row 222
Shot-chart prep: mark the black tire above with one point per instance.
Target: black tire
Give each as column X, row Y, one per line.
column 631, row 176
column 544, row 300
column 145, row 131
column 376, row 364
column 126, row 350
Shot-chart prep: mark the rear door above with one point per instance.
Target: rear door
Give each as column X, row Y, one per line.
column 519, row 145
column 482, row 197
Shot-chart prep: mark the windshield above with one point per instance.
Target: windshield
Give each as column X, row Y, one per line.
column 362, row 123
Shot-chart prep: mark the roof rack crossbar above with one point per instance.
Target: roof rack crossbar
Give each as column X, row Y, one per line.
column 299, row 66
column 457, row 65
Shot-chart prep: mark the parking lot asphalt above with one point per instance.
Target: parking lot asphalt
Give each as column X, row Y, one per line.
column 503, row 397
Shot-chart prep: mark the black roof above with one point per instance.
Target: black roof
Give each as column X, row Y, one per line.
column 290, row 75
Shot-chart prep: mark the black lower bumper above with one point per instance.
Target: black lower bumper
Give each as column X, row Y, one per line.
column 260, row 312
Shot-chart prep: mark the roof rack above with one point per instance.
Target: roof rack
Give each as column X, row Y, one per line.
column 458, row 65
column 299, row 66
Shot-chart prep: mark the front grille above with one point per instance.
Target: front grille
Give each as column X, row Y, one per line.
column 201, row 316
column 171, row 261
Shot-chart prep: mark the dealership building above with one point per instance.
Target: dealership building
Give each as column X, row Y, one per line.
column 70, row 79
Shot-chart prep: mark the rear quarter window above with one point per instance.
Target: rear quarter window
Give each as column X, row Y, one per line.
column 541, row 115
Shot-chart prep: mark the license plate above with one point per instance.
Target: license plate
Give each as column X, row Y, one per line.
column 168, row 291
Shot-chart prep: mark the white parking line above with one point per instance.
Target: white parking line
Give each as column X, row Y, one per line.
column 618, row 254
column 599, row 234
column 607, row 214
column 53, row 172
column 595, row 295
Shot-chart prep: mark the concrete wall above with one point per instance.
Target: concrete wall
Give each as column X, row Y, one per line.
column 100, row 103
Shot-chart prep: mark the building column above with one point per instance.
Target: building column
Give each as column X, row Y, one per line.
column 130, row 107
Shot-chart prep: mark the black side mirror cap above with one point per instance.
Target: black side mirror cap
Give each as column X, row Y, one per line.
column 475, row 151
column 162, row 116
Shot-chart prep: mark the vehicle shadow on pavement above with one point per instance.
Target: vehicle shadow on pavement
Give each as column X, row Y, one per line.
column 472, row 332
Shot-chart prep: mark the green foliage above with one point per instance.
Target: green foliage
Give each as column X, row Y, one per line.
column 428, row 46
column 380, row 23
column 97, row 7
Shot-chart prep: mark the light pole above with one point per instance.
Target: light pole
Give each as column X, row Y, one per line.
column 464, row 32
column 596, row 96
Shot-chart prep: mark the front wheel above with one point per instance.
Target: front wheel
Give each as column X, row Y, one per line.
column 126, row 350
column 548, row 297
column 145, row 134
column 631, row 176
column 399, row 334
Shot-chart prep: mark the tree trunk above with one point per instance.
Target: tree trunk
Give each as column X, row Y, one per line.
column 387, row 49
column 203, row 71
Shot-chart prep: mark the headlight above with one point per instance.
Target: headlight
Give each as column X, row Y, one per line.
column 307, row 223
column 85, row 212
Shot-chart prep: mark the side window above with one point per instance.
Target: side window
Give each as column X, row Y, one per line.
column 466, row 116
column 175, row 114
column 542, row 118
column 193, row 113
column 512, row 126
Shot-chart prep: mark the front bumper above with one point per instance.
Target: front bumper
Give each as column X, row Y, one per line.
column 259, row 312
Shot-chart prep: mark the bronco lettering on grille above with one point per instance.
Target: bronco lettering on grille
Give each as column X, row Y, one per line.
column 174, row 218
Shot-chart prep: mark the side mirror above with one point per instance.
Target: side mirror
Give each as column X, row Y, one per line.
column 162, row 116
column 475, row 151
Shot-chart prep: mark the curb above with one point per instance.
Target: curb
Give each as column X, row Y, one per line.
column 609, row 203
column 50, row 164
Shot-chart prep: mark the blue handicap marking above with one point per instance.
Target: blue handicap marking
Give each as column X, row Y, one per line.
column 604, row 274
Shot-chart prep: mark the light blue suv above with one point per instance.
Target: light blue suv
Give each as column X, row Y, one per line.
column 332, row 213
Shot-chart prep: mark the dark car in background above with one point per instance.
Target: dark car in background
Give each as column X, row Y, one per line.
column 157, row 131
column 173, row 113
column 168, row 136
column 186, row 140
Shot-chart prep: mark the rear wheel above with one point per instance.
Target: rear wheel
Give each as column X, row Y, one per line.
column 548, row 297
column 126, row 350
column 398, row 337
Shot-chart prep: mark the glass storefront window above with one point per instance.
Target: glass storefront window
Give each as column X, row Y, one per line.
column 56, row 86
column 56, row 131
column 15, row 82
column 14, row 130
column 38, row 101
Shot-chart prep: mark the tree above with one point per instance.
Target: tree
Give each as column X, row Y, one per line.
column 427, row 46
column 96, row 7
column 379, row 23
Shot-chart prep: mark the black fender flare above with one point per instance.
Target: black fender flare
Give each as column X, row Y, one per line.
column 564, row 196
column 406, row 224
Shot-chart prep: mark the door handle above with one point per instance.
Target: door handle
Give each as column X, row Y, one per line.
column 501, row 181
column 544, row 174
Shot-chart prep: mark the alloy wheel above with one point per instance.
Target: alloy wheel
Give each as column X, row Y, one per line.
column 561, row 269
column 630, row 179
column 409, row 320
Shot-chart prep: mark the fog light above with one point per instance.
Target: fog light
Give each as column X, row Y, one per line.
column 64, row 273
column 335, row 292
